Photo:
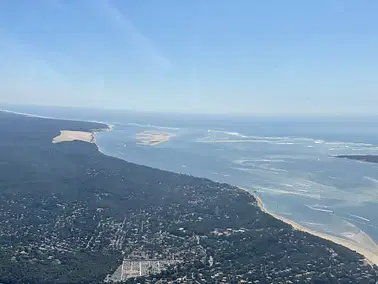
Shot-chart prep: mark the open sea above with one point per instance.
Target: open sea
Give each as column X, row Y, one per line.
column 288, row 161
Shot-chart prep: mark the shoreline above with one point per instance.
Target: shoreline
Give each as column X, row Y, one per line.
column 370, row 256
column 109, row 126
column 71, row 135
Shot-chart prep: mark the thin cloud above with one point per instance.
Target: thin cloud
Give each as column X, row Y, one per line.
column 136, row 36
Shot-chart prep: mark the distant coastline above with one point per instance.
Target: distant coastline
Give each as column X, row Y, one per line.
column 371, row 256
column 362, row 158
column 106, row 126
column 70, row 135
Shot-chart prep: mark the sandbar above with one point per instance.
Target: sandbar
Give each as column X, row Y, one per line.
column 69, row 135
column 371, row 255
column 230, row 141
column 152, row 138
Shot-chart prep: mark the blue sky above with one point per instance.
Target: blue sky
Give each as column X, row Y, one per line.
column 214, row 56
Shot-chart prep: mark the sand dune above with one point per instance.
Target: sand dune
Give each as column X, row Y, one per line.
column 68, row 136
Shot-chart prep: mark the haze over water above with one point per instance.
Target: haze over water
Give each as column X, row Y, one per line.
column 289, row 161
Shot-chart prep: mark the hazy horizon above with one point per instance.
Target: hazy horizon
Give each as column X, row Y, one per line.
column 17, row 108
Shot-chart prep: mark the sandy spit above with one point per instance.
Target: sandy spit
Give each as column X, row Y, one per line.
column 371, row 255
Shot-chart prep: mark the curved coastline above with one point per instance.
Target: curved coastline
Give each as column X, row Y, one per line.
column 108, row 127
column 371, row 256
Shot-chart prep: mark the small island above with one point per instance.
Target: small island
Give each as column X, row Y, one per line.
column 362, row 158
column 152, row 138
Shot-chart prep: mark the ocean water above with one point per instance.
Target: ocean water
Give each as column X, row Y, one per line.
column 288, row 161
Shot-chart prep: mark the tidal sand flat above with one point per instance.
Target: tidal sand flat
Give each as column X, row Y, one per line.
column 152, row 138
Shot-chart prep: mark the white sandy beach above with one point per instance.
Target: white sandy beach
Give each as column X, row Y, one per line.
column 371, row 255
column 69, row 135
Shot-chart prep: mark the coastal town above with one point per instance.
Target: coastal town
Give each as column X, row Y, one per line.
column 182, row 240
